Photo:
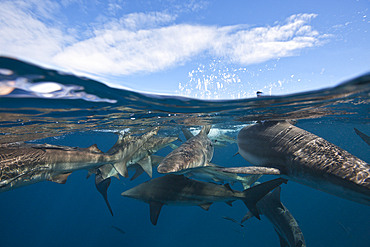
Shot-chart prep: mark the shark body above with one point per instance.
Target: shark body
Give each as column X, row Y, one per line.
column 197, row 151
column 24, row 164
column 290, row 235
column 181, row 191
column 305, row 158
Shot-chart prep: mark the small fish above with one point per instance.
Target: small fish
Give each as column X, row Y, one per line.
column 238, row 231
column 118, row 229
column 233, row 220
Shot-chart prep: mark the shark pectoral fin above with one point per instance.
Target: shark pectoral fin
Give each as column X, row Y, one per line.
column 61, row 178
column 155, row 209
column 283, row 242
column 255, row 193
column 107, row 171
column 121, row 168
column 102, row 186
column 173, row 146
column 187, row 133
column 205, row 206
column 146, row 164
column 138, row 172
column 363, row 136
column 91, row 172
column 236, row 154
column 247, row 216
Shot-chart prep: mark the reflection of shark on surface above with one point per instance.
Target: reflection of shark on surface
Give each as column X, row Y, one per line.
column 290, row 235
column 180, row 191
column 195, row 152
column 305, row 158
column 24, row 164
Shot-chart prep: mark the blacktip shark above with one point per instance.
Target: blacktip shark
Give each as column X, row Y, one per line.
column 23, row 164
column 290, row 235
column 305, row 158
column 143, row 156
column 195, row 152
column 208, row 171
column 181, row 191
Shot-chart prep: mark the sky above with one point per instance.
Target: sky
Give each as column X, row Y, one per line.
column 201, row 49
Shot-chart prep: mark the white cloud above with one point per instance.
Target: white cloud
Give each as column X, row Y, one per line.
column 143, row 42
column 25, row 36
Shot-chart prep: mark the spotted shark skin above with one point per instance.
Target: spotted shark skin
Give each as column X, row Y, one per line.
column 305, row 158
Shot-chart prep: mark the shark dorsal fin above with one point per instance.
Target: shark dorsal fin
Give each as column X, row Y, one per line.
column 205, row 206
column 102, row 186
column 205, row 130
column 146, row 164
column 187, row 133
column 94, row 149
column 155, row 209
column 61, row 178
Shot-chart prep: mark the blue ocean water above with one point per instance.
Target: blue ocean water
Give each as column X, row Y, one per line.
column 47, row 106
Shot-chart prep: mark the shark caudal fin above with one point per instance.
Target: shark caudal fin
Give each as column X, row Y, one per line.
column 255, row 193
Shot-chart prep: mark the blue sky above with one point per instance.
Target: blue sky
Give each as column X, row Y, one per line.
column 202, row 49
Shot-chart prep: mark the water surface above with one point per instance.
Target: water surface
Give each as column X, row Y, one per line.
column 47, row 106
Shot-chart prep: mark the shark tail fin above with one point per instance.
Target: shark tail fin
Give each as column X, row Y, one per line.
column 205, row 130
column 255, row 193
column 249, row 180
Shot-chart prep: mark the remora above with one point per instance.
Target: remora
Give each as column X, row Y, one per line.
column 181, row 191
column 305, row 158
column 195, row 152
column 24, row 164
column 290, row 235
